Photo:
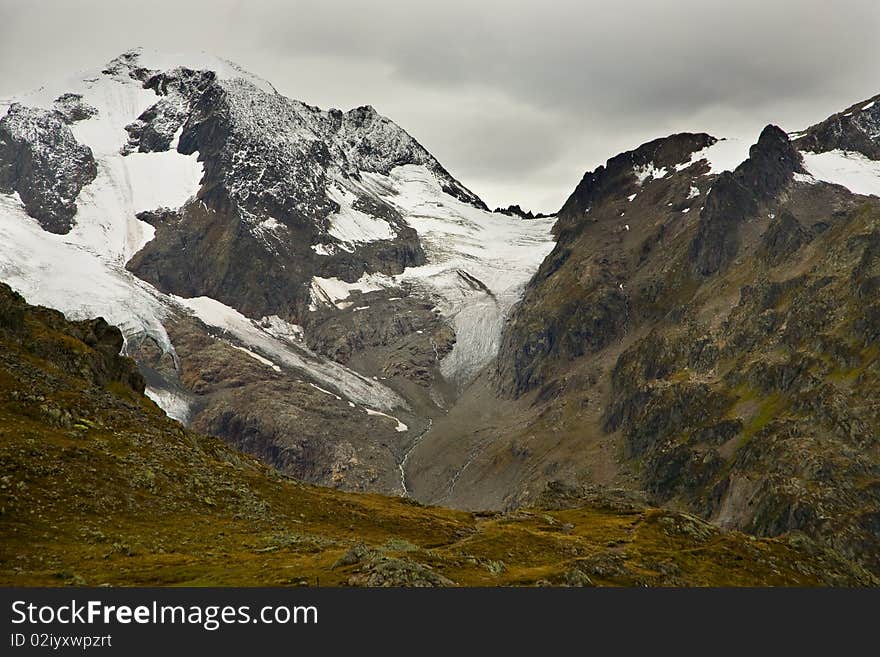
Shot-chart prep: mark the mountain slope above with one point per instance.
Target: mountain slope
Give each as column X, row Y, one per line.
column 708, row 337
column 99, row 487
column 204, row 213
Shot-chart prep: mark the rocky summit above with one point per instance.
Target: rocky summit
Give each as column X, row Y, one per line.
column 673, row 380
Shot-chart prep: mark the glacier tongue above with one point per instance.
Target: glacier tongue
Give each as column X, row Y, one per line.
column 478, row 261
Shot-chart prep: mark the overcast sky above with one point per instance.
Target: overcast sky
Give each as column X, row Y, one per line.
column 517, row 99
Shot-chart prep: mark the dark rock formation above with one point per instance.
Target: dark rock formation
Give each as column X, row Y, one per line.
column 517, row 211
column 855, row 129
column 42, row 161
column 736, row 197
column 578, row 305
column 73, row 108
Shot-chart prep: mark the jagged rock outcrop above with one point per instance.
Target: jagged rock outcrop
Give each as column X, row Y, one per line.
column 73, row 108
column 854, row 129
column 737, row 196
column 41, row 160
column 578, row 302
column 517, row 211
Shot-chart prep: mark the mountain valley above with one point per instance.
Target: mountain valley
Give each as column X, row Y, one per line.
column 684, row 357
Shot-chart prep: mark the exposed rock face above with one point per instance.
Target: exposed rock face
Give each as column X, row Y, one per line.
column 517, row 211
column 277, row 415
column 739, row 378
column 398, row 335
column 736, row 197
column 626, row 173
column 72, row 108
column 282, row 198
column 785, row 237
column 593, row 256
column 42, row 161
column 156, row 128
column 770, row 422
column 855, row 129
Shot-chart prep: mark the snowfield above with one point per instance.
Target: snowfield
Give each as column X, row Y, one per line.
column 83, row 272
column 723, row 155
column 351, row 226
column 66, row 273
column 854, row 171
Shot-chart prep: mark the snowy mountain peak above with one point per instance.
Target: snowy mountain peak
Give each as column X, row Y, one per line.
column 186, row 187
column 141, row 63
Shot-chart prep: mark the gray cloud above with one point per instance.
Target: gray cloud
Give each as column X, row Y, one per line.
column 516, row 98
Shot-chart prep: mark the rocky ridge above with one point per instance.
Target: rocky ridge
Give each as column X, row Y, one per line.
column 713, row 348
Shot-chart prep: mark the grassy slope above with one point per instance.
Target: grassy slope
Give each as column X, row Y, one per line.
column 98, row 486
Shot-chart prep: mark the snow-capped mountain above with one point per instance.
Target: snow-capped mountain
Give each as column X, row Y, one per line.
column 698, row 323
column 162, row 190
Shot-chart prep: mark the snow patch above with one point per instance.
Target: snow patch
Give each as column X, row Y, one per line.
column 400, row 428
column 352, row 226
column 332, row 291
column 256, row 357
column 277, row 327
column 648, row 171
column 723, row 155
column 326, row 392
column 857, row 173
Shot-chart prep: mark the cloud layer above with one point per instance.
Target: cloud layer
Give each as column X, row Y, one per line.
column 516, row 98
